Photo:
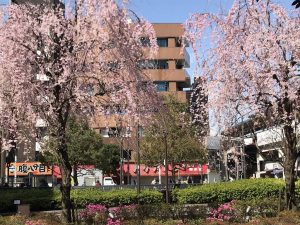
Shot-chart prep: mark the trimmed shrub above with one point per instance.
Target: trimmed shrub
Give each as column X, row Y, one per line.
column 49, row 199
column 38, row 198
column 226, row 192
column 268, row 207
column 298, row 190
column 81, row 197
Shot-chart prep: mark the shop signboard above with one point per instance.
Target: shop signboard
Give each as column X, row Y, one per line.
column 34, row 168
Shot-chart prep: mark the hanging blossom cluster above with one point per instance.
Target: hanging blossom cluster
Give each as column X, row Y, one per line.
column 54, row 61
column 252, row 66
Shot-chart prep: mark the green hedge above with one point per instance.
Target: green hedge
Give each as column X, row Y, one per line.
column 49, row 199
column 236, row 190
column 115, row 197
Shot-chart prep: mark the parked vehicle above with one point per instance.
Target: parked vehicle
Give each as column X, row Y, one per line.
column 108, row 181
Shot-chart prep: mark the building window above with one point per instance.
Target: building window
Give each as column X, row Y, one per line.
column 145, row 42
column 115, row 132
column 162, row 42
column 178, row 42
column 179, row 64
column 161, row 85
column 154, row 64
column 126, row 132
column 126, row 154
column 162, row 64
column 116, row 109
column 41, row 132
column 38, row 156
column 141, row 132
column 104, row 132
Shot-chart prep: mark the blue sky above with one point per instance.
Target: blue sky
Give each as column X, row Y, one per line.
column 158, row 11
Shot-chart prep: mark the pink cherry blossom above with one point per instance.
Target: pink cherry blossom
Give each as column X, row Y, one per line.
column 251, row 70
column 55, row 61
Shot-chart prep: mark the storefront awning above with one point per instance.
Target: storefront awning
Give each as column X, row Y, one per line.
column 181, row 170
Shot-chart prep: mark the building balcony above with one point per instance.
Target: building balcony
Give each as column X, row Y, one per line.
column 181, row 96
column 168, row 29
column 173, row 53
column 106, row 120
column 169, row 75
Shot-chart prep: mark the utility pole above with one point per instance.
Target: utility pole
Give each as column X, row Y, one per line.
column 121, row 163
column 166, row 167
column 14, row 149
column 128, row 167
column 243, row 151
column 120, row 134
column 138, row 160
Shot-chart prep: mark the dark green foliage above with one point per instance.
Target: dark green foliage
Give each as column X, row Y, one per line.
column 107, row 159
column 49, row 199
column 38, row 198
column 85, row 147
column 82, row 143
column 171, row 127
column 267, row 207
column 225, row 192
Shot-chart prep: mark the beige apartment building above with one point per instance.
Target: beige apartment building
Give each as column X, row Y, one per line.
column 168, row 73
column 166, row 70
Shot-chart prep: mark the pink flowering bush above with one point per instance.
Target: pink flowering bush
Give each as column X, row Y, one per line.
column 99, row 214
column 225, row 212
column 37, row 222
column 94, row 214
column 111, row 221
column 124, row 212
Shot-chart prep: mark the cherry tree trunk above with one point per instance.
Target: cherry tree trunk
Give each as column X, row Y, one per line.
column 290, row 157
column 66, row 169
column 75, row 175
column 289, row 171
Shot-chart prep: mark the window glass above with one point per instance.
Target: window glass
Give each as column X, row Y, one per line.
column 162, row 64
column 154, row 64
column 178, row 42
column 104, row 132
column 145, row 41
column 161, row 85
column 162, row 42
column 141, row 132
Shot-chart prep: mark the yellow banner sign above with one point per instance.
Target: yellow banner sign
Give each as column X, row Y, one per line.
column 24, row 168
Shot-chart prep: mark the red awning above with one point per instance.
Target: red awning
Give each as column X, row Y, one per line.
column 183, row 170
column 56, row 169
column 56, row 172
